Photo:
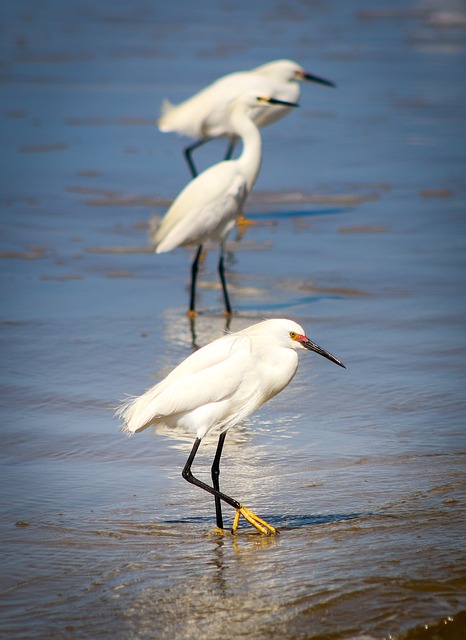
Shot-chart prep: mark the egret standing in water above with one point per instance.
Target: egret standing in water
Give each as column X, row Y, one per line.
column 209, row 205
column 216, row 388
column 206, row 114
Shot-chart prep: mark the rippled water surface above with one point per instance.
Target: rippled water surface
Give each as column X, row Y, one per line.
column 358, row 234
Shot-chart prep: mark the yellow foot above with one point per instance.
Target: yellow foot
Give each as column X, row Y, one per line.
column 244, row 222
column 261, row 525
column 216, row 531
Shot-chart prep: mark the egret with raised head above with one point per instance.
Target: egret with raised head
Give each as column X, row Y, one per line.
column 209, row 205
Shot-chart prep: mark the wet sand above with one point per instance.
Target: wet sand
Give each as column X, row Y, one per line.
column 359, row 235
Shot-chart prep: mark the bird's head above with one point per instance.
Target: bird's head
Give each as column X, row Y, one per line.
column 288, row 334
column 300, row 341
column 249, row 101
column 290, row 71
column 260, row 100
column 301, row 74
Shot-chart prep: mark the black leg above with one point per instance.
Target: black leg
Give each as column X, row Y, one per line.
column 188, row 155
column 256, row 522
column 231, row 148
column 194, row 270
column 221, row 272
column 215, row 471
column 187, row 475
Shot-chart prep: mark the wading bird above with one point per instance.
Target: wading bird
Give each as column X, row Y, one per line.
column 209, row 206
column 216, row 388
column 205, row 115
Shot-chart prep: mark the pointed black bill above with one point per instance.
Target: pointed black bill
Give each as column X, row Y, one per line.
column 318, row 79
column 312, row 346
column 282, row 102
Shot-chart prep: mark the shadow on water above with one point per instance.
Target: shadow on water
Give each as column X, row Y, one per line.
column 282, row 521
column 288, row 304
column 295, row 214
column 298, row 521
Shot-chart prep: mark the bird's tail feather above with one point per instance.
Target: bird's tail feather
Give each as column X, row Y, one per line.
column 125, row 411
column 167, row 107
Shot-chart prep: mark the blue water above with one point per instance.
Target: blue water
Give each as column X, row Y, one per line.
column 359, row 235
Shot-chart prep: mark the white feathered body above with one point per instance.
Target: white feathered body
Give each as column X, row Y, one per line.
column 219, row 385
column 209, row 205
column 205, row 114
column 206, row 208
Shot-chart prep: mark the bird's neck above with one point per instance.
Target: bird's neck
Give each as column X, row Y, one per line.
column 251, row 155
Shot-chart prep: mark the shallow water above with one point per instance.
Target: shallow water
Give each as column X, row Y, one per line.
column 359, row 235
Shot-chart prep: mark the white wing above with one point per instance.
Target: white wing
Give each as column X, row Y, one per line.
column 209, row 375
column 206, row 208
column 204, row 114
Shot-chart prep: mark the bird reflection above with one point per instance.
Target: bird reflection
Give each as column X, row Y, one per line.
column 192, row 325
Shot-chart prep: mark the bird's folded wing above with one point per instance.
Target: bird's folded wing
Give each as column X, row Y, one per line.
column 209, row 375
column 202, row 205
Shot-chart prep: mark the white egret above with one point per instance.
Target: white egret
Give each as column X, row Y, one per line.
column 205, row 115
column 210, row 204
column 216, row 388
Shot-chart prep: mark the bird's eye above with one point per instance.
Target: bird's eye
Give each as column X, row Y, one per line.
column 293, row 335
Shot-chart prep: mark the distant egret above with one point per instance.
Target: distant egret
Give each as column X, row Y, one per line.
column 205, row 115
column 209, row 205
column 216, row 388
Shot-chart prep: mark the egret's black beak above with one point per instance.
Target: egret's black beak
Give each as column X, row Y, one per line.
column 312, row 346
column 318, row 79
column 282, row 102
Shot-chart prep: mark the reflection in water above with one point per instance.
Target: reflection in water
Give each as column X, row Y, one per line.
column 194, row 337
column 181, row 329
column 172, row 581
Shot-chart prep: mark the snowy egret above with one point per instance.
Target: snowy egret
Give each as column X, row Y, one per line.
column 205, row 115
column 216, row 388
column 210, row 204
